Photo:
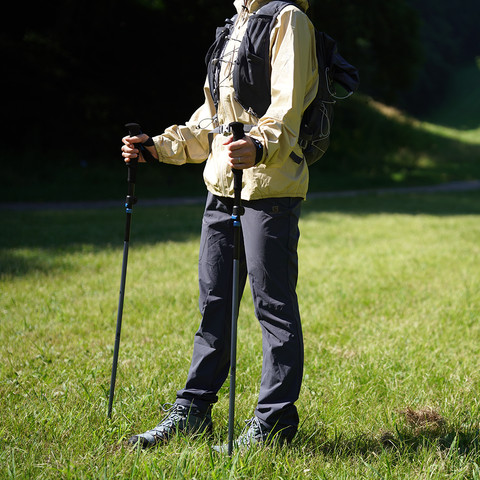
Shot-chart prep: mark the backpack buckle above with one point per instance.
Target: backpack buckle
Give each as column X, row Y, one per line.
column 303, row 143
column 305, row 137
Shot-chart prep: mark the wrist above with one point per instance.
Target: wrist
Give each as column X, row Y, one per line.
column 258, row 150
column 147, row 154
column 148, row 142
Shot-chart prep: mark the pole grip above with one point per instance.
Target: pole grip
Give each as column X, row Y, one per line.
column 237, row 130
column 238, row 134
column 133, row 130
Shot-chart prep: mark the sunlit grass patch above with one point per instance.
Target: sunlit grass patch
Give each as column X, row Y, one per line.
column 389, row 294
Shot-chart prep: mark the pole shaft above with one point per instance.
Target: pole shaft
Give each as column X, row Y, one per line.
column 133, row 129
column 233, row 347
column 238, row 133
column 119, row 326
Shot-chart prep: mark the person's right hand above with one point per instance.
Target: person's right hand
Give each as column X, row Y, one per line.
column 130, row 150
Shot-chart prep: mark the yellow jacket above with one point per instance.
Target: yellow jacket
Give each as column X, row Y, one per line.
column 294, row 81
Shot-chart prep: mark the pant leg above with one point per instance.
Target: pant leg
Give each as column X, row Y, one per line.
column 211, row 350
column 271, row 234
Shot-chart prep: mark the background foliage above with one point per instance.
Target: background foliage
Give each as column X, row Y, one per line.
column 449, row 38
column 78, row 70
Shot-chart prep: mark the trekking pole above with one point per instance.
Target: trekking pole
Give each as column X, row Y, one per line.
column 238, row 210
column 133, row 129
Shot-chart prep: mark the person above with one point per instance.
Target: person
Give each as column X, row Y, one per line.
column 274, row 186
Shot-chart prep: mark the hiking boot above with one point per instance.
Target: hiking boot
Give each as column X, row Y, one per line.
column 254, row 434
column 188, row 420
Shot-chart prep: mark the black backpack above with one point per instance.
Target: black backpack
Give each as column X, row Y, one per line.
column 251, row 79
column 314, row 137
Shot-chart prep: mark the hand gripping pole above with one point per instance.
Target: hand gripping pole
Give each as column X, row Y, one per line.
column 238, row 210
column 133, row 129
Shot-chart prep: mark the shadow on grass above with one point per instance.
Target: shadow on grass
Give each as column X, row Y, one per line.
column 438, row 204
column 405, row 440
column 14, row 263
column 421, row 428
column 49, row 235
column 43, row 240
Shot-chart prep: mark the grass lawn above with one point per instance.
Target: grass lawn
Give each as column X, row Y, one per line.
column 390, row 300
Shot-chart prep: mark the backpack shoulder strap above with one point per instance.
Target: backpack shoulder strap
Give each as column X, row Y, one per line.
column 251, row 76
column 214, row 54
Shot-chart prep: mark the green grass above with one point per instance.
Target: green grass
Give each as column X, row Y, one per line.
column 389, row 294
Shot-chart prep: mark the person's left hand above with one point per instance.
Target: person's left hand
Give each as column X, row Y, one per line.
column 131, row 148
column 241, row 154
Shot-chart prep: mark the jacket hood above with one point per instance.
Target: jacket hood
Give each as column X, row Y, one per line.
column 254, row 5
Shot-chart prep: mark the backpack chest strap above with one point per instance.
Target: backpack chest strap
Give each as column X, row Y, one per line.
column 224, row 130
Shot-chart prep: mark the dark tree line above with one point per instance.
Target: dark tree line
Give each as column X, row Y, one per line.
column 380, row 37
column 79, row 69
column 450, row 38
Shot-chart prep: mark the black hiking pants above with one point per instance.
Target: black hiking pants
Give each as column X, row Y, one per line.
column 269, row 257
